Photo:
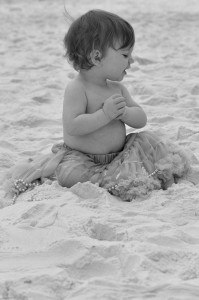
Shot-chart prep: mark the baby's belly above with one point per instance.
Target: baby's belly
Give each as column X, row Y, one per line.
column 108, row 139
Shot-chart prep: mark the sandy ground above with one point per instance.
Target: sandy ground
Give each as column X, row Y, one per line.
column 81, row 243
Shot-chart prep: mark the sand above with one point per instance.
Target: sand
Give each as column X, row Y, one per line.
column 82, row 243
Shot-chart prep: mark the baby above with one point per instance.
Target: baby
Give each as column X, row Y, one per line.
column 96, row 109
column 96, row 105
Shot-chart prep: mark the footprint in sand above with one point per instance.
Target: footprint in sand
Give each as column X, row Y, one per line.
column 104, row 232
column 40, row 215
column 184, row 264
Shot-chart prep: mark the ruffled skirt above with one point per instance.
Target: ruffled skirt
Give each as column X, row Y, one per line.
column 145, row 164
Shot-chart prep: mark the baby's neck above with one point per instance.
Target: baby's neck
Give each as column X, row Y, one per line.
column 92, row 77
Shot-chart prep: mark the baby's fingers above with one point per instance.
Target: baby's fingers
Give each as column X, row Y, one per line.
column 121, row 104
column 118, row 99
column 121, row 112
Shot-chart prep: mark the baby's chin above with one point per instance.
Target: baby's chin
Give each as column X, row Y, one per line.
column 118, row 78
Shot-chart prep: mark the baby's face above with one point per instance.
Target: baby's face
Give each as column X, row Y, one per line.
column 116, row 62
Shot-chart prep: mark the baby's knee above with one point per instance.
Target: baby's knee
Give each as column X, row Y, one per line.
column 67, row 177
column 66, row 180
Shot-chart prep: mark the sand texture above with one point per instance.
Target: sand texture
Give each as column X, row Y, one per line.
column 82, row 243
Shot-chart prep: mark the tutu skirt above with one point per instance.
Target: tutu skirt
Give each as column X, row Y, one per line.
column 146, row 163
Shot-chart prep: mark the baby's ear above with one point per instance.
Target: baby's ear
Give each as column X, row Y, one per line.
column 96, row 57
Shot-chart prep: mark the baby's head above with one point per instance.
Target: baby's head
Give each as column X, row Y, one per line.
column 96, row 30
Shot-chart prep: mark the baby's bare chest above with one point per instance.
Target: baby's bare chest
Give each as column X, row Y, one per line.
column 97, row 97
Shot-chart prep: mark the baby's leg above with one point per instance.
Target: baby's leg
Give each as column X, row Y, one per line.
column 75, row 167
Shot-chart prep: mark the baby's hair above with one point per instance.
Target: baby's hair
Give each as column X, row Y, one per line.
column 96, row 30
column 68, row 17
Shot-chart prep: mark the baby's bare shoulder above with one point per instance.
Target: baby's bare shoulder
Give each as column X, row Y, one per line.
column 75, row 85
column 75, row 91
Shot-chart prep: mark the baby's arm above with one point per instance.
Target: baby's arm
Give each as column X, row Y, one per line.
column 134, row 116
column 75, row 119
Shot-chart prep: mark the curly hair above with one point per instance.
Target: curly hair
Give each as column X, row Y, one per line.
column 99, row 30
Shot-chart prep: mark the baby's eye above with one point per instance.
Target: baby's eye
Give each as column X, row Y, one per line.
column 125, row 55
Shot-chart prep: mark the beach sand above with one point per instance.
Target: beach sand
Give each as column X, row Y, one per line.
column 82, row 243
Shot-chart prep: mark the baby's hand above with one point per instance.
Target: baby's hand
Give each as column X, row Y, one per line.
column 114, row 106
